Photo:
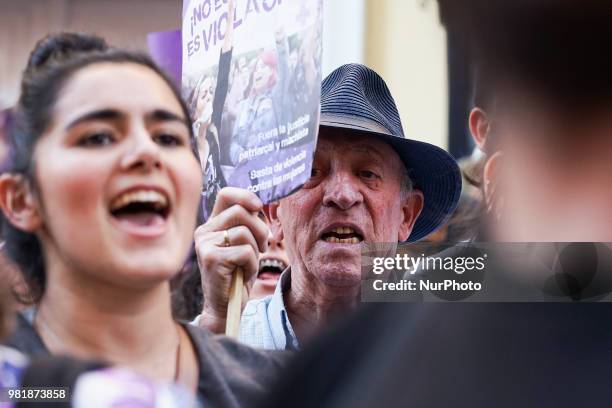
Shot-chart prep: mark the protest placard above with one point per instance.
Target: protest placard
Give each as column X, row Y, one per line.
column 252, row 77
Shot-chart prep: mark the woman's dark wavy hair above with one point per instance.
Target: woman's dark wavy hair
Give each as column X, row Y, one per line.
column 52, row 63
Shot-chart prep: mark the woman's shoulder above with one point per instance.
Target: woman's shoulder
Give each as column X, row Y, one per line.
column 228, row 351
column 231, row 370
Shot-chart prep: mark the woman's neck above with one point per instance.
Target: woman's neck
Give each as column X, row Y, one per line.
column 114, row 324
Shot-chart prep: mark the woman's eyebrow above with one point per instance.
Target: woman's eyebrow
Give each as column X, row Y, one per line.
column 162, row 115
column 158, row 115
column 103, row 114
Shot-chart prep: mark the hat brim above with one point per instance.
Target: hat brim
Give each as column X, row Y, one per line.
column 432, row 170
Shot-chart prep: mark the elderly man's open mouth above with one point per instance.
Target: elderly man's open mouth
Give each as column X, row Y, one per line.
column 342, row 234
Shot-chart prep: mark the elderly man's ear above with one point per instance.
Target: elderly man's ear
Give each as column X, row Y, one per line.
column 412, row 205
column 18, row 203
column 479, row 126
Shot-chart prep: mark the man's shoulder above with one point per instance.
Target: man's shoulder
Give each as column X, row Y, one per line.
column 255, row 306
column 255, row 327
column 264, row 321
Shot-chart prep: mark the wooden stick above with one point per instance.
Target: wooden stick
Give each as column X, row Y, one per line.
column 234, row 306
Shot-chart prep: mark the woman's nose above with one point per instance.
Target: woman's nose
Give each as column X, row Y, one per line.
column 143, row 153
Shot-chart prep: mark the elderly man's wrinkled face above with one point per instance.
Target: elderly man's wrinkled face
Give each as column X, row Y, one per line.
column 355, row 194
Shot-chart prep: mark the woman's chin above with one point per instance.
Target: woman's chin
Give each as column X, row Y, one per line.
column 145, row 272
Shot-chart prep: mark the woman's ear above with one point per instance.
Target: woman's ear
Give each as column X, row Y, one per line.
column 18, row 203
column 479, row 126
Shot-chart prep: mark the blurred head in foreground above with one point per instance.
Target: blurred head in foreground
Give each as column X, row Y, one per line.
column 543, row 115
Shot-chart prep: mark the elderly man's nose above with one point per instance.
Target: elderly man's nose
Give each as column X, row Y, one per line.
column 342, row 191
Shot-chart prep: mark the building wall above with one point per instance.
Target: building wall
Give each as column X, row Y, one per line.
column 123, row 23
column 406, row 44
column 343, row 33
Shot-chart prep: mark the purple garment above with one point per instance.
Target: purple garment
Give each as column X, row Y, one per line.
column 120, row 387
column 12, row 366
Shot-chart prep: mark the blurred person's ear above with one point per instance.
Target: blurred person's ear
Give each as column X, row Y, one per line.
column 18, row 203
column 479, row 126
column 489, row 177
column 271, row 211
column 412, row 205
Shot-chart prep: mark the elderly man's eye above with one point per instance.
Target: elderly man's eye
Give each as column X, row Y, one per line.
column 167, row 139
column 96, row 139
column 367, row 174
column 315, row 178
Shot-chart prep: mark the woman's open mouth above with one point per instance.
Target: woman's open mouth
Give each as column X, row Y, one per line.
column 142, row 212
column 270, row 268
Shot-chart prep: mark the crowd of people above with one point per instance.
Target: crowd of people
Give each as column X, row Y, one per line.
column 100, row 194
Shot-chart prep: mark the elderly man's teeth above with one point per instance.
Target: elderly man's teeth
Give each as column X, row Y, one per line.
column 343, row 230
column 140, row 196
column 335, row 240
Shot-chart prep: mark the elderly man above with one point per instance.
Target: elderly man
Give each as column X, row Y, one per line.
column 368, row 184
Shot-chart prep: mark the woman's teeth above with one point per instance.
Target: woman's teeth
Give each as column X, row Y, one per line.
column 272, row 263
column 271, row 266
column 153, row 197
